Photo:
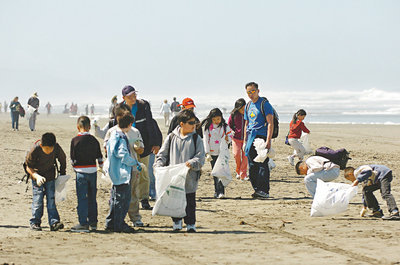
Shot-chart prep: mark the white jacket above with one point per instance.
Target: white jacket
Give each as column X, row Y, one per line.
column 213, row 136
column 318, row 163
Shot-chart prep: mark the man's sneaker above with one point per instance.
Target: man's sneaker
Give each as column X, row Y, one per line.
column 176, row 226
column 221, row 196
column 93, row 227
column 260, row 195
column 36, row 227
column 191, row 229
column 127, row 229
column 393, row 216
column 376, row 214
column 138, row 223
column 80, row 228
column 291, row 160
column 146, row 204
column 56, row 226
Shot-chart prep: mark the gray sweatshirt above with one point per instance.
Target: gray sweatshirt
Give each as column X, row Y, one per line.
column 181, row 149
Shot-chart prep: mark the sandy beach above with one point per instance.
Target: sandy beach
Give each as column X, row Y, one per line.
column 235, row 230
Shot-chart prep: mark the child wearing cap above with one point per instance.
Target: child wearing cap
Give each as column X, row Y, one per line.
column 187, row 103
column 372, row 178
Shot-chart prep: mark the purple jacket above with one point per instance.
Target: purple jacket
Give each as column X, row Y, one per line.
column 237, row 125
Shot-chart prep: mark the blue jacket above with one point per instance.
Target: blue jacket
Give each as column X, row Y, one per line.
column 120, row 158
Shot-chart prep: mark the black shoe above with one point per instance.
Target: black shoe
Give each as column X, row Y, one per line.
column 36, row 227
column 56, row 226
column 146, row 205
column 376, row 214
column 128, row 229
column 260, row 195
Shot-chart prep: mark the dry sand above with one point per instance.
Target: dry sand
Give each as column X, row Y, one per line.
column 236, row 230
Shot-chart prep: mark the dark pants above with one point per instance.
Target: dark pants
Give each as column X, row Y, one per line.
column 218, row 186
column 47, row 189
column 86, row 189
column 14, row 119
column 258, row 172
column 384, row 186
column 190, row 218
column 119, row 205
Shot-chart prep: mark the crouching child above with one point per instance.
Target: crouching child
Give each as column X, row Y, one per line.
column 40, row 164
column 121, row 163
column 372, row 178
column 183, row 145
column 317, row 167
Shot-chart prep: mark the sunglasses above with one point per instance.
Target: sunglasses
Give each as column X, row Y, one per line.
column 251, row 92
column 191, row 122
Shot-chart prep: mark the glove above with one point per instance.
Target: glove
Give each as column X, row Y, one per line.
column 363, row 211
column 208, row 157
column 39, row 179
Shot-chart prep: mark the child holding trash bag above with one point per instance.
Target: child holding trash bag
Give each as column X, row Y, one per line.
column 120, row 171
column 372, row 178
column 183, row 145
column 296, row 127
column 236, row 123
column 84, row 151
column 215, row 130
column 317, row 167
column 40, row 164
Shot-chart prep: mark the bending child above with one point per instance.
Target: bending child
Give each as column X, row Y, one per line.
column 295, row 128
column 215, row 131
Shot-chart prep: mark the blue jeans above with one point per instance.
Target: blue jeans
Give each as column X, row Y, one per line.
column 86, row 189
column 152, row 190
column 48, row 189
column 119, row 205
column 258, row 172
column 326, row 175
column 14, row 119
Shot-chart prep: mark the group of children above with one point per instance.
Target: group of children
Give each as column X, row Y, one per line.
column 183, row 145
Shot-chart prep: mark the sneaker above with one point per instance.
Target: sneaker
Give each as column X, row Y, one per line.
column 216, row 195
column 80, row 228
column 138, row 223
column 127, row 229
column 376, row 214
column 176, row 226
column 260, row 195
column 56, row 226
column 191, row 229
column 237, row 176
column 221, row 196
column 393, row 216
column 93, row 227
column 246, row 178
column 36, row 227
column 291, row 160
column 146, row 205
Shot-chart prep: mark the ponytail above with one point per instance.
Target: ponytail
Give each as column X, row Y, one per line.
column 298, row 113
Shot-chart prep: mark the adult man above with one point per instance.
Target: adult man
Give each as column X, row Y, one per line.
column 257, row 126
column 175, row 107
column 187, row 103
column 150, row 133
column 33, row 102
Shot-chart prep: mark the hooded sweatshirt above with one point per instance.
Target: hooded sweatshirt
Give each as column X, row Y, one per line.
column 181, row 149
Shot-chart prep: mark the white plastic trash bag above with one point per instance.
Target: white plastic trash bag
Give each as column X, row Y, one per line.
column 221, row 168
column 105, row 172
column 29, row 112
column 262, row 152
column 170, row 190
column 306, row 143
column 331, row 198
column 61, row 188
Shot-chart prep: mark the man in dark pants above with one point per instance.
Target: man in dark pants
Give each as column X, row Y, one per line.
column 257, row 126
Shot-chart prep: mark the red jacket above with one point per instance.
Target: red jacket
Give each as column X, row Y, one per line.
column 296, row 129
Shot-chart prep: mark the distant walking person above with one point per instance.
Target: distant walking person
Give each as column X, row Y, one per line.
column 295, row 129
column 92, row 110
column 48, row 108
column 114, row 102
column 5, row 106
column 175, row 108
column 87, row 109
column 14, row 106
column 33, row 102
column 165, row 110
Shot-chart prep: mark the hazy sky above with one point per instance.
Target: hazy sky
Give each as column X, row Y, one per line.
column 86, row 51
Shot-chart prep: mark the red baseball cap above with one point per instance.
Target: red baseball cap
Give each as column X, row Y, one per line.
column 187, row 103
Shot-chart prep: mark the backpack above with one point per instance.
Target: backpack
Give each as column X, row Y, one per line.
column 339, row 157
column 171, row 135
column 276, row 116
column 175, row 107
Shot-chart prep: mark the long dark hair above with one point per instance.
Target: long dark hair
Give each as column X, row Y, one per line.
column 298, row 113
column 213, row 113
column 240, row 103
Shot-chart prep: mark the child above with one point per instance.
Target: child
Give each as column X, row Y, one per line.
column 40, row 164
column 136, row 148
column 295, row 128
column 215, row 131
column 180, row 147
column 372, row 178
column 85, row 149
column 236, row 123
column 317, row 167
column 121, row 164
